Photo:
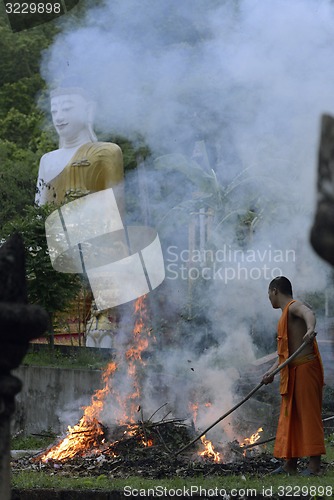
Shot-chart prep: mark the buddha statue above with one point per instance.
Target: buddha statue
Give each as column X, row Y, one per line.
column 86, row 232
column 82, row 166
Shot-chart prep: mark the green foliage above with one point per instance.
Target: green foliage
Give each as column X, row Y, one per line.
column 21, row 137
column 20, row 95
column 22, row 127
column 80, row 358
column 47, row 287
column 32, row 442
column 17, row 181
column 20, row 53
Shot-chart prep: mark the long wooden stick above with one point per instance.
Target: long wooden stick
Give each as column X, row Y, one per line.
column 328, row 418
column 279, row 368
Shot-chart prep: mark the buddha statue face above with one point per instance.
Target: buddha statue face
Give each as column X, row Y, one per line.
column 71, row 116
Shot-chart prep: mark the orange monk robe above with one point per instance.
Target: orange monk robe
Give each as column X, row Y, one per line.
column 300, row 431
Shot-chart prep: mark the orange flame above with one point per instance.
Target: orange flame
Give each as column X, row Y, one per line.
column 194, row 409
column 133, row 356
column 253, row 438
column 97, row 402
column 209, row 451
column 147, row 443
column 84, row 436
column 88, row 433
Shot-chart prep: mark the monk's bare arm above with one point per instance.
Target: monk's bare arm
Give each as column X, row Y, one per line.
column 302, row 311
column 268, row 377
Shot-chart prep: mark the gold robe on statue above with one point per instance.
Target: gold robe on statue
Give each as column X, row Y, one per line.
column 94, row 167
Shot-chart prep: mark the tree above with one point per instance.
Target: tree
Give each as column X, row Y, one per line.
column 50, row 289
column 22, row 140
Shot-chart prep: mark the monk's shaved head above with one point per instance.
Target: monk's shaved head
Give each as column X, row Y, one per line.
column 282, row 284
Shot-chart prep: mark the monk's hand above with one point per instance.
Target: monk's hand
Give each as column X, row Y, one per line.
column 267, row 378
column 309, row 335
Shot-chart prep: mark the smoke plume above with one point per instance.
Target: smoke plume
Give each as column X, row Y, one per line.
column 239, row 87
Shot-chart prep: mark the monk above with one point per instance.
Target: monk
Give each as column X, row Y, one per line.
column 300, row 430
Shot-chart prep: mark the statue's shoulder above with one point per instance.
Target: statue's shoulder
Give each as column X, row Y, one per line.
column 50, row 160
column 104, row 150
column 105, row 146
column 51, row 156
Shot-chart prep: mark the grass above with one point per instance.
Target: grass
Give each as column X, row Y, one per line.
column 282, row 486
column 321, row 485
column 32, row 442
column 81, row 359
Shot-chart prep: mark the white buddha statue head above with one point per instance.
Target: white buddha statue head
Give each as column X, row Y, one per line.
column 72, row 111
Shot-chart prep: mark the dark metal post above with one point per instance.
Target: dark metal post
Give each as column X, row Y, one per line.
column 322, row 233
column 19, row 323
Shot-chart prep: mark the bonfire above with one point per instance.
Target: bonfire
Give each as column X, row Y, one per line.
column 129, row 433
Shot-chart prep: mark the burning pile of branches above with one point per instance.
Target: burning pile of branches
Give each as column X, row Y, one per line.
column 130, row 441
column 133, row 450
column 147, row 446
column 166, row 435
column 88, row 439
column 148, row 449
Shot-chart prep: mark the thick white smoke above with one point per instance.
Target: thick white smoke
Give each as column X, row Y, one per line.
column 250, row 78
